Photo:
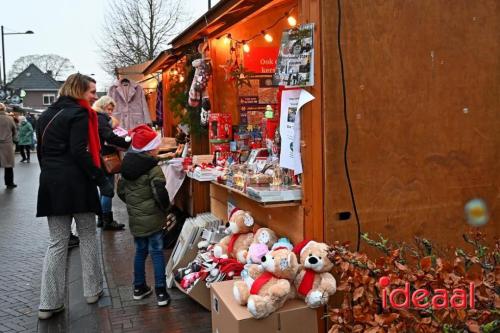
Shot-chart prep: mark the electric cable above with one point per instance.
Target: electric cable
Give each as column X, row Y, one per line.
column 346, row 146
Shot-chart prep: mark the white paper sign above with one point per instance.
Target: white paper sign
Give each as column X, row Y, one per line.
column 291, row 103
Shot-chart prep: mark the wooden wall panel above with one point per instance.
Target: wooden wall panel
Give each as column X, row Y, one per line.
column 285, row 221
column 422, row 82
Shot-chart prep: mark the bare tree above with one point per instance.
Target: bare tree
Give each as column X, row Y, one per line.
column 138, row 30
column 59, row 66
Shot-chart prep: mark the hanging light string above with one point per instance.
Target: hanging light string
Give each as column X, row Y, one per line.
column 244, row 42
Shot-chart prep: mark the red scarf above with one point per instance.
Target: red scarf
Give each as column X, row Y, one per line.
column 260, row 282
column 93, row 133
column 307, row 282
column 233, row 240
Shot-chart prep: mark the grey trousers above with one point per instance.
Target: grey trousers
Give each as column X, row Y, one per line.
column 52, row 294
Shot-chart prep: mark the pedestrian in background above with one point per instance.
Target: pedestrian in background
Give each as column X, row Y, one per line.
column 142, row 188
column 25, row 138
column 8, row 133
column 68, row 152
column 109, row 141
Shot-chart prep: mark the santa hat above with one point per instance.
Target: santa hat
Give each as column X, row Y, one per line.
column 301, row 246
column 144, row 138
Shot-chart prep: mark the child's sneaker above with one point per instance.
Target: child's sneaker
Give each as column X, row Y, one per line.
column 162, row 296
column 141, row 292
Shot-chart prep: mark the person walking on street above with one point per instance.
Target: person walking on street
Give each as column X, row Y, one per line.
column 25, row 139
column 142, row 188
column 8, row 133
column 68, row 152
column 109, row 141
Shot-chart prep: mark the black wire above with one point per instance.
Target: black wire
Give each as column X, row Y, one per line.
column 346, row 166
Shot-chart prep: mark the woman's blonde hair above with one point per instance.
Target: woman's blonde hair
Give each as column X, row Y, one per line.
column 2, row 107
column 102, row 102
column 76, row 85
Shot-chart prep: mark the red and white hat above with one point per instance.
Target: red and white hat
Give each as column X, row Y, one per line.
column 144, row 138
column 301, row 246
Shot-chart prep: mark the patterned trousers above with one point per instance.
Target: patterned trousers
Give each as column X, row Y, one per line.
column 52, row 293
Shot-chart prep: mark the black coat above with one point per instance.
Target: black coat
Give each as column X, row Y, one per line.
column 68, row 180
column 109, row 140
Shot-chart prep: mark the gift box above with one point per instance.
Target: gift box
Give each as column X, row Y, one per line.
column 269, row 127
column 220, row 127
column 224, row 147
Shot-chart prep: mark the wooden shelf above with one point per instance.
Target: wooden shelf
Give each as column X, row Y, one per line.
column 271, row 204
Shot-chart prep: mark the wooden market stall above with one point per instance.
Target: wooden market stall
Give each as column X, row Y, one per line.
column 243, row 19
column 420, row 98
column 402, row 132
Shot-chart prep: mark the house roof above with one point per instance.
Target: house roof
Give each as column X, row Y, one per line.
column 32, row 78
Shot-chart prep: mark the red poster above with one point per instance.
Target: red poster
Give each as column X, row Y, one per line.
column 261, row 59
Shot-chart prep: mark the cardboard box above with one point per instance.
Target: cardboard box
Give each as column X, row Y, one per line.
column 199, row 292
column 230, row 317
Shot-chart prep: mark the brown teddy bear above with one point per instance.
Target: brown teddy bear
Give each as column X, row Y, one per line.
column 263, row 240
column 272, row 287
column 240, row 236
column 314, row 282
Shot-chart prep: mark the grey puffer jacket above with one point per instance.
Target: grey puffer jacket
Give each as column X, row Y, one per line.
column 142, row 188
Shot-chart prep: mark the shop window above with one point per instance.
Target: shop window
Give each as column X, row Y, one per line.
column 48, row 99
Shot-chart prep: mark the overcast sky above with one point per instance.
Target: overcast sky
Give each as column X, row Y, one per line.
column 69, row 28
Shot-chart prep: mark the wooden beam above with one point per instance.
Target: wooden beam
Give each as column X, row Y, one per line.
column 312, row 129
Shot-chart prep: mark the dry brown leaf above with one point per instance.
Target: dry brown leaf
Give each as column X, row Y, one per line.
column 473, row 326
column 358, row 293
column 400, row 266
column 426, row 264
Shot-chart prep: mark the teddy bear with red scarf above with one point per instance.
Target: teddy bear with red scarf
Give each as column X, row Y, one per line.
column 240, row 237
column 314, row 282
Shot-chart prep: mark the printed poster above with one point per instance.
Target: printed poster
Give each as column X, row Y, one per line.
column 291, row 103
column 295, row 67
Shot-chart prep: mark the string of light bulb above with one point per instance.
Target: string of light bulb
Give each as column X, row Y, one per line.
column 228, row 39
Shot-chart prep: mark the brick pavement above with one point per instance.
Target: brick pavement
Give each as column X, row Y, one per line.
column 126, row 315
column 23, row 241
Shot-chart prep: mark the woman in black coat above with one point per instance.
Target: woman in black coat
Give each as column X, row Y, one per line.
column 68, row 152
column 109, row 141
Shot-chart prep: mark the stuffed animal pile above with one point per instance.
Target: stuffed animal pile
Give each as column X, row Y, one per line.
column 271, row 268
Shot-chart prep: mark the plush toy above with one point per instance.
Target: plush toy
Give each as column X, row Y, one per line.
column 263, row 239
column 314, row 282
column 272, row 287
column 240, row 236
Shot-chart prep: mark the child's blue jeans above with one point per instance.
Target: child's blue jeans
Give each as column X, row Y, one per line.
column 153, row 245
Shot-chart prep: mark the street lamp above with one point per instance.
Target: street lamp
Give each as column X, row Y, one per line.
column 29, row 32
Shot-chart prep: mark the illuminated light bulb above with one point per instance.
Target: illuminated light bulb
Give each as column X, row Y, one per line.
column 175, row 72
column 227, row 39
column 292, row 21
column 181, row 78
column 246, row 48
column 268, row 38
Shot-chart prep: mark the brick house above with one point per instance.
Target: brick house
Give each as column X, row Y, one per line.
column 41, row 88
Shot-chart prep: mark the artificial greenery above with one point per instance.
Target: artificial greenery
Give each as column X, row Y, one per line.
column 178, row 99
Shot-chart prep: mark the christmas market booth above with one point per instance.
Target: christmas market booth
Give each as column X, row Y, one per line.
column 313, row 122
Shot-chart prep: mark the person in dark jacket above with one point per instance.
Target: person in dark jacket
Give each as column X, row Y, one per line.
column 25, row 138
column 109, row 141
column 68, row 152
column 142, row 188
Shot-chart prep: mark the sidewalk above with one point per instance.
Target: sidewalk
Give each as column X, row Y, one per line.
column 120, row 313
